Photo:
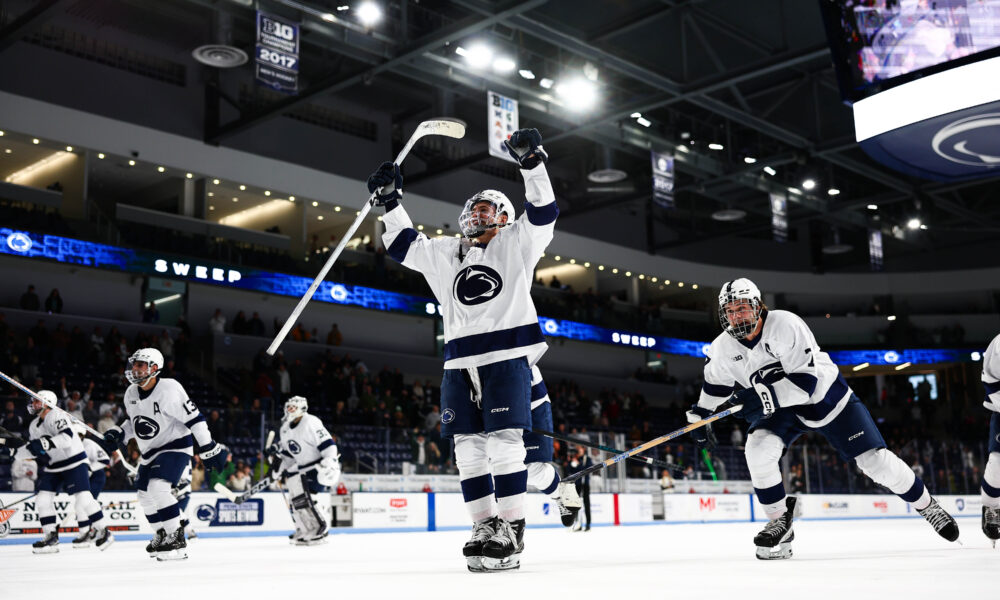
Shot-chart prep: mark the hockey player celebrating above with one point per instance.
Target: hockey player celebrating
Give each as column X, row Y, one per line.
column 97, row 460
column 165, row 424
column 788, row 386
column 492, row 338
column 64, row 468
column 538, row 454
column 991, row 474
column 310, row 464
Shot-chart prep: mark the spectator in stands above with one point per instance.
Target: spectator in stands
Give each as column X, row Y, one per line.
column 74, row 409
column 106, row 422
column 12, row 420
column 97, row 354
column 90, row 414
column 197, row 475
column 284, row 381
column 24, row 472
column 222, row 477
column 423, row 453
column 256, row 325
column 151, row 314
column 240, row 324
column 239, row 481
column 334, row 338
column 217, row 426
column 30, row 357
column 555, row 283
column 666, row 482
column 29, row 299
column 433, row 418
column 217, row 324
column 166, row 345
column 110, row 405
column 260, row 468
column 54, row 303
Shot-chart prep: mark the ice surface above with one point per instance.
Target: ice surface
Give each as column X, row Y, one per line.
column 842, row 560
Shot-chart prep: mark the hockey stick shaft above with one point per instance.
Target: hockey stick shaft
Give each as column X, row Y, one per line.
column 91, row 430
column 582, row 442
column 651, row 443
column 25, row 499
column 290, row 322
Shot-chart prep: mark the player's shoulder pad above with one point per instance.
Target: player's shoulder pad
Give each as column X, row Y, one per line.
column 719, row 344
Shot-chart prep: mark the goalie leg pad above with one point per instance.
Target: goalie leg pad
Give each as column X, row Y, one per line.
column 313, row 525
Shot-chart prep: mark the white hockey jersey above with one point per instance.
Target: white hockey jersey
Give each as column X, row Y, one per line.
column 163, row 419
column 67, row 451
column 97, row 458
column 484, row 291
column 991, row 375
column 786, row 360
column 539, row 393
column 305, row 443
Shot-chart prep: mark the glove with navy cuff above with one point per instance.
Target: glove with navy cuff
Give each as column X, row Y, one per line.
column 112, row 440
column 40, row 446
column 525, row 145
column 703, row 436
column 387, row 184
column 214, row 455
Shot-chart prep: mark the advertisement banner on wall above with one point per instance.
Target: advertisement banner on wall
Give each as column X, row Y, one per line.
column 501, row 114
column 387, row 510
column 706, row 507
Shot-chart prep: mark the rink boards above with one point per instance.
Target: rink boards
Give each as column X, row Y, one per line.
column 267, row 513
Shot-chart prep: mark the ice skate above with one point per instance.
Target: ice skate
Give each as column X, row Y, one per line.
column 173, row 547
column 313, row 539
column 188, row 529
column 569, row 503
column 153, row 546
column 103, row 538
column 991, row 523
column 85, row 538
column 940, row 520
column 502, row 552
column 473, row 549
column 47, row 545
column 774, row 542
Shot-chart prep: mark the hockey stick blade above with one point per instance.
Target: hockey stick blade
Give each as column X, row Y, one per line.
column 655, row 442
column 223, row 490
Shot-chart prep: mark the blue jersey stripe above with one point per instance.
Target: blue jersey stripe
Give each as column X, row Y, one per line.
column 538, row 391
column 66, row 461
column 991, row 388
column 324, row 445
column 820, row 410
column 720, row 391
column 482, row 343
column 401, row 245
column 541, row 215
column 194, row 421
column 178, row 444
column 805, row 381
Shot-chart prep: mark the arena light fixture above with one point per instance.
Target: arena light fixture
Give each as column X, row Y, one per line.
column 243, row 187
column 319, row 218
column 291, row 198
column 215, row 181
column 770, row 171
column 336, row 209
column 749, row 160
column 189, row 175
column 891, row 318
column 913, row 223
column 833, row 192
column 578, row 93
column 8, row 151
column 873, row 207
column 572, row 261
column 100, row 155
column 526, row 73
column 600, row 267
column 861, row 366
column 49, row 161
column 643, row 121
column 369, row 13
column 546, row 83
column 809, row 184
column 69, row 148
column 35, row 141
column 615, row 270
column 1, row 133
column 716, row 146
column 315, row 203
column 420, row 227
column 504, row 64
column 903, row 366
column 795, row 190
column 680, row 284
column 694, row 286
column 267, row 192
column 628, row 273
column 236, row 199
column 161, row 169
column 439, row 232
column 557, row 257
column 478, row 55
column 666, row 282
column 131, row 163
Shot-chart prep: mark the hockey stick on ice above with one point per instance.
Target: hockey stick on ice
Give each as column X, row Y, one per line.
column 646, row 446
column 90, row 430
column 655, row 462
column 452, row 128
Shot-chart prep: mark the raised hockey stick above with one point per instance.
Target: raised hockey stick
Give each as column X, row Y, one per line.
column 582, row 442
column 655, row 442
column 452, row 128
column 90, row 430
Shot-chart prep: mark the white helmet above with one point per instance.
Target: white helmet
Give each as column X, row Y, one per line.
column 295, row 407
column 739, row 290
column 152, row 357
column 469, row 222
column 49, row 398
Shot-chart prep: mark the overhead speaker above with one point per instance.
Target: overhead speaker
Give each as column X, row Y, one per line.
column 219, row 56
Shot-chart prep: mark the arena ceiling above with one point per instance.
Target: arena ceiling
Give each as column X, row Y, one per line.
column 754, row 77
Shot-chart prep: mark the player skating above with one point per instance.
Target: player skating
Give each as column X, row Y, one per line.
column 492, row 338
column 97, row 461
column 991, row 474
column 64, row 467
column 787, row 386
column 166, row 425
column 310, row 465
column 538, row 454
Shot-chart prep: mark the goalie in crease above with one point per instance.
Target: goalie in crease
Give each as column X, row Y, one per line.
column 310, row 465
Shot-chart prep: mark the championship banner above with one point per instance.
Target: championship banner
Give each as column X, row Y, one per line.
column 277, row 57
column 779, row 217
column 875, row 249
column 501, row 114
column 663, row 179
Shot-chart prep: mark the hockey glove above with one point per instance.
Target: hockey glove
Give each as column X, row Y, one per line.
column 273, row 452
column 525, row 145
column 112, row 440
column 40, row 446
column 215, row 456
column 703, row 436
column 755, row 407
column 386, row 183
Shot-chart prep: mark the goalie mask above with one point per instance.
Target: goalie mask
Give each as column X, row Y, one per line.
column 151, row 358
column 739, row 307
column 36, row 406
column 476, row 218
column 295, row 408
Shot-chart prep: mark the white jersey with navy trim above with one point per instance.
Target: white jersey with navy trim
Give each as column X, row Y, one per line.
column 163, row 419
column 485, row 292
column 305, row 443
column 539, row 393
column 67, row 451
column 786, row 361
column 97, row 458
column 991, row 375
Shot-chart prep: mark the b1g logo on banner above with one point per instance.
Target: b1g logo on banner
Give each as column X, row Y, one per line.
column 277, row 57
column 501, row 114
column 228, row 514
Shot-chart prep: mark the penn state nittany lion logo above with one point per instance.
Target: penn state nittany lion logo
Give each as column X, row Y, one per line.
column 476, row 285
column 145, row 428
column 294, row 447
column 205, row 512
column 447, row 416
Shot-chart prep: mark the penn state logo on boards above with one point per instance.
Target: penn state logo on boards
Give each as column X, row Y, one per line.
column 145, row 428
column 205, row 512
column 477, row 284
column 294, row 447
